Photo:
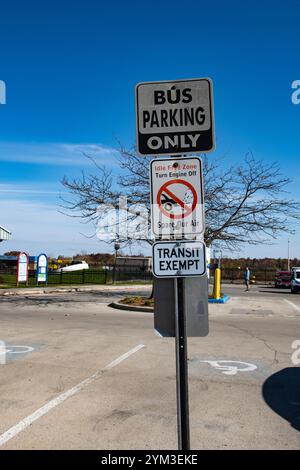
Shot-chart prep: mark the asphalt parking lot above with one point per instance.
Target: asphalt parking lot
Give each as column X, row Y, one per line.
column 77, row 374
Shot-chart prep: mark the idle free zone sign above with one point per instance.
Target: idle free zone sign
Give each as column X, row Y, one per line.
column 174, row 117
column 179, row 259
column 176, row 197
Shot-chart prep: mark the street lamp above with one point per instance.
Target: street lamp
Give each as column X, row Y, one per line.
column 117, row 247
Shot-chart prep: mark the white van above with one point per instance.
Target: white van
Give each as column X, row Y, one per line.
column 74, row 266
column 295, row 282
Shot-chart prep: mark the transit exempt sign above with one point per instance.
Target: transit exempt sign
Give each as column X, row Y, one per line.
column 179, row 259
column 177, row 197
column 175, row 117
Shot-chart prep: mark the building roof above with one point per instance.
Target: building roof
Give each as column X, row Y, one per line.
column 4, row 233
column 4, row 229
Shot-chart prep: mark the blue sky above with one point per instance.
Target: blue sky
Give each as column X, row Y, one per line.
column 70, row 68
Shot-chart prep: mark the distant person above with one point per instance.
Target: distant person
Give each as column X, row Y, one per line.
column 247, row 279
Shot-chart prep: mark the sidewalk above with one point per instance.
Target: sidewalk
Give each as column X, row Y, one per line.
column 74, row 288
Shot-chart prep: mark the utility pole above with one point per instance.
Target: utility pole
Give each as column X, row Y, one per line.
column 288, row 261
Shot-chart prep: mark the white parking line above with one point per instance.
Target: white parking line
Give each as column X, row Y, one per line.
column 295, row 307
column 13, row 431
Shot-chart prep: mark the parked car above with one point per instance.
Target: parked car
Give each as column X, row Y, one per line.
column 74, row 266
column 295, row 281
column 283, row 279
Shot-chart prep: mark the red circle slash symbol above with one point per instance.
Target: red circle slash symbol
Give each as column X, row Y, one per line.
column 169, row 202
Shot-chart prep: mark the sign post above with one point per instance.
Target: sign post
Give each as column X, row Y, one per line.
column 180, row 259
column 181, row 367
column 176, row 119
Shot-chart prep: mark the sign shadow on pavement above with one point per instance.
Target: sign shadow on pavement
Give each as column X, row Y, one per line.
column 281, row 392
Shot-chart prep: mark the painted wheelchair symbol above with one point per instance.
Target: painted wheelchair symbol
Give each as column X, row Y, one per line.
column 6, row 350
column 231, row 367
column 179, row 201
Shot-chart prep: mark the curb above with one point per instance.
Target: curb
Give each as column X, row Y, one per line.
column 134, row 308
column 131, row 308
column 223, row 300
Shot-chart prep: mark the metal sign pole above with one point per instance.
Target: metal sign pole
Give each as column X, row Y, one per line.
column 172, row 189
column 181, row 367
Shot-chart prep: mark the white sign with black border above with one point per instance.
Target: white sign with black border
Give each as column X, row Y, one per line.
column 175, row 117
column 177, row 208
column 182, row 258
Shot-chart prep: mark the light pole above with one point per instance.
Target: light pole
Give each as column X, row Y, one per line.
column 117, row 247
column 288, row 261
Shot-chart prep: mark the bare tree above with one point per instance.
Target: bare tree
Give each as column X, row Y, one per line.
column 247, row 203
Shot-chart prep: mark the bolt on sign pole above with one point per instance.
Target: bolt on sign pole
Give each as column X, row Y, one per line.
column 181, row 367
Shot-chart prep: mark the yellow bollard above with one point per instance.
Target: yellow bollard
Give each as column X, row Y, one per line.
column 217, row 284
